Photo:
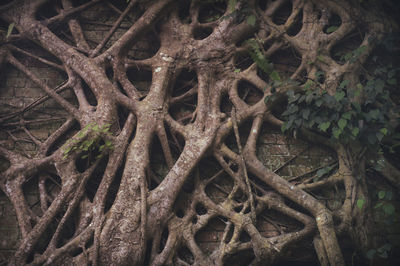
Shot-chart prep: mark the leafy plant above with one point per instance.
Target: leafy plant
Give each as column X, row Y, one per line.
column 352, row 113
column 86, row 143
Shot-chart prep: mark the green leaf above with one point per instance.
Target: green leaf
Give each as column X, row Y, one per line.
column 231, row 5
column 384, row 131
column 67, row 150
column 348, row 56
column 306, row 114
column 388, row 209
column 374, row 114
column 392, row 81
column 342, row 123
column 344, row 83
column 359, row 86
column 339, row 95
column 285, row 127
column 336, row 133
column 308, row 84
column 324, row 126
column 357, row 106
column 384, row 255
column 323, row 171
column 267, row 98
column 318, row 73
column 379, row 136
column 360, row 203
column 347, row 116
column 237, row 70
column 275, row 76
column 320, row 58
column 10, row 29
column 355, row 131
column 331, row 29
column 251, row 20
column 381, row 194
column 379, row 204
column 108, row 143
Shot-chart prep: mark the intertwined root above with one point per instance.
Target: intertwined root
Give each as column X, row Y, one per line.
column 159, row 145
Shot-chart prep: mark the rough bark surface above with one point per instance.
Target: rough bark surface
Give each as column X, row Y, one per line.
column 191, row 107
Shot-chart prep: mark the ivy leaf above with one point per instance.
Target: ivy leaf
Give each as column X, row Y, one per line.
column 344, row 83
column 342, row 123
column 381, row 194
column 360, row 203
column 346, row 115
column 275, row 76
column 374, row 114
column 348, row 56
column 306, row 114
column 336, row 132
column 318, row 74
column 251, row 20
column 384, row 255
column 308, row 84
column 355, row 131
column 339, row 95
column 267, row 98
column 331, row 29
column 285, row 127
column 324, row 126
column 10, row 29
column 388, row 209
column 232, row 5
column 67, row 150
column 384, row 131
column 108, row 143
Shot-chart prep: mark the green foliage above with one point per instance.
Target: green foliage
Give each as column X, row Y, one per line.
column 352, row 113
column 10, row 29
column 251, row 20
column 360, row 203
column 262, row 62
column 382, row 252
column 331, row 29
column 84, row 143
